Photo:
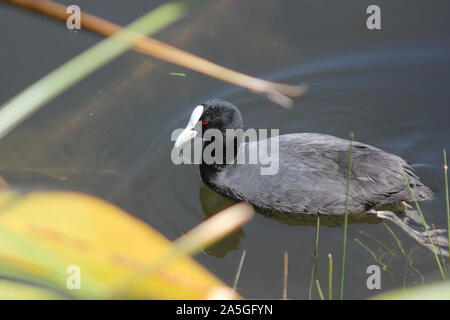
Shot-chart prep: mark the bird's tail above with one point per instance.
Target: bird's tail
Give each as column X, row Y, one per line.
column 411, row 222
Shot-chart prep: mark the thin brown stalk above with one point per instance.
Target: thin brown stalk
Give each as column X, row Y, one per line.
column 278, row 93
column 285, row 276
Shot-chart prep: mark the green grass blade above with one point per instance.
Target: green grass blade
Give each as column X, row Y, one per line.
column 422, row 217
column 319, row 290
column 330, row 277
column 238, row 273
column 409, row 260
column 314, row 259
column 344, row 236
column 447, row 203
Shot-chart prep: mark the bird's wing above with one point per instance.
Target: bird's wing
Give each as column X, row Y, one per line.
column 312, row 177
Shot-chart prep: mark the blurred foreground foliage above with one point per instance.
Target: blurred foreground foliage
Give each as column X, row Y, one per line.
column 436, row 291
column 43, row 233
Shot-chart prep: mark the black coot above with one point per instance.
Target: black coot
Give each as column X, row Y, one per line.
column 312, row 174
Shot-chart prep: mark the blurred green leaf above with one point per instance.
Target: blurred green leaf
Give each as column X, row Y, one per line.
column 13, row 290
column 436, row 291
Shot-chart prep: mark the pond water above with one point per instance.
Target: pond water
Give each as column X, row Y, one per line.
column 110, row 134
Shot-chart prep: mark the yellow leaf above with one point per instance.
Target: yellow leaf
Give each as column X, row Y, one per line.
column 42, row 234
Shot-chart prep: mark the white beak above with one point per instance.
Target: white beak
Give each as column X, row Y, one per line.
column 189, row 133
column 185, row 136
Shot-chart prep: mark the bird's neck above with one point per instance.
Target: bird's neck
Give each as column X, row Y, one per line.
column 220, row 152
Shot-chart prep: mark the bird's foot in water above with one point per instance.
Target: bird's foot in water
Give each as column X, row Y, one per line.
column 411, row 213
column 406, row 205
column 438, row 237
column 433, row 239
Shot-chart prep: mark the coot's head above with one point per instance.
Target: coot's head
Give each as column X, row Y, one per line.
column 212, row 114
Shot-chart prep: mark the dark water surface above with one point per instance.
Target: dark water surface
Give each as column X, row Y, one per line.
column 110, row 134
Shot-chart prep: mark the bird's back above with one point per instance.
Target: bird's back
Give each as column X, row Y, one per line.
column 312, row 177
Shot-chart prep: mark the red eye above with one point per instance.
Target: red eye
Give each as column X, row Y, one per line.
column 205, row 122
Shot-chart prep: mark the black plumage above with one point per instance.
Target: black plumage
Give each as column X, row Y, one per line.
column 313, row 172
column 312, row 176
